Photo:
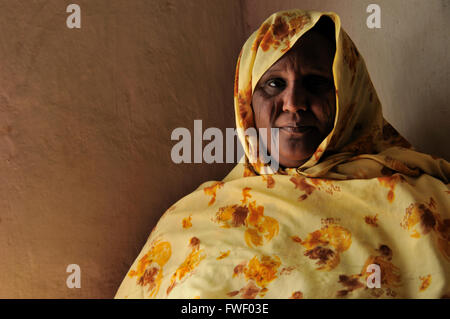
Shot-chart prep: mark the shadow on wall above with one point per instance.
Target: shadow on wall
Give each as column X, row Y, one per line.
column 421, row 80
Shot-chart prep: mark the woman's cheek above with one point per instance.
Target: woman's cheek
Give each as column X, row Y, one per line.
column 257, row 106
column 324, row 114
column 264, row 113
column 319, row 110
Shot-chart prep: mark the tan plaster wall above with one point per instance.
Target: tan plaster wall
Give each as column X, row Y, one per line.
column 85, row 123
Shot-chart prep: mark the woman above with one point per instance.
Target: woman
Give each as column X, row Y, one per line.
column 352, row 210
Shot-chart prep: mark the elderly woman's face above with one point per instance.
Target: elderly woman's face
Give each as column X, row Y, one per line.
column 297, row 95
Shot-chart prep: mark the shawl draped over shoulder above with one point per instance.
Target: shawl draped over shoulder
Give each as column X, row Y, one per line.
column 365, row 197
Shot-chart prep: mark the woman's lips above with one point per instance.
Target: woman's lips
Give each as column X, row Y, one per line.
column 296, row 129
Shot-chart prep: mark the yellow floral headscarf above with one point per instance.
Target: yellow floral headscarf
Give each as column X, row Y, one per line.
column 359, row 132
column 363, row 201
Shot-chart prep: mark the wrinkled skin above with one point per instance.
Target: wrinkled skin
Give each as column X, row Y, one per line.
column 297, row 95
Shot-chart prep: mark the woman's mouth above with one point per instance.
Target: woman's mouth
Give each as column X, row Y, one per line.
column 296, row 129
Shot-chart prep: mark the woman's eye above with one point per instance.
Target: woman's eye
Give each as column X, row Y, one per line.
column 318, row 84
column 275, row 84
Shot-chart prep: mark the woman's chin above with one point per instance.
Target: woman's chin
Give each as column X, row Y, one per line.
column 298, row 155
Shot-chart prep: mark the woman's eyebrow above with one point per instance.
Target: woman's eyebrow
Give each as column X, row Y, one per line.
column 276, row 68
column 277, row 72
column 318, row 71
column 305, row 70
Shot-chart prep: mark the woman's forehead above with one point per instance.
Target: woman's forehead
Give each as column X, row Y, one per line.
column 312, row 53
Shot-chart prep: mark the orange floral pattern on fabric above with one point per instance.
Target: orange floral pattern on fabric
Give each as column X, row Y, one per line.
column 259, row 229
column 326, row 244
column 390, row 275
column 150, row 267
column 212, row 190
column 426, row 282
column 189, row 264
column 422, row 218
column 258, row 272
column 390, row 182
column 187, row 222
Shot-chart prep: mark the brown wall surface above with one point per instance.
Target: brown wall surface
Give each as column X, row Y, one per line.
column 86, row 117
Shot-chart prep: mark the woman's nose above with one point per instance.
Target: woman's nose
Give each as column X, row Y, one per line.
column 294, row 98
